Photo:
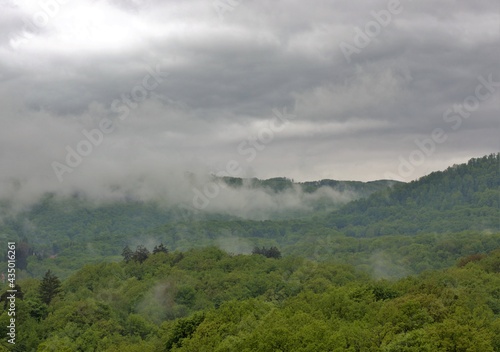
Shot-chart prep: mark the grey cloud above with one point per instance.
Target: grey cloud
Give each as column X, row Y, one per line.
column 354, row 120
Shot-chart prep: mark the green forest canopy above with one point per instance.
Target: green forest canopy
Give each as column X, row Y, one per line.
column 209, row 300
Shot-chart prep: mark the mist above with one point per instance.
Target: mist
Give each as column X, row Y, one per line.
column 113, row 101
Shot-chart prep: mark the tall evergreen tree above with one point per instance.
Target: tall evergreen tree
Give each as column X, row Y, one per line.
column 49, row 288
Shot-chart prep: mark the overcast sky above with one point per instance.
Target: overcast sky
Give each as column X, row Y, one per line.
column 198, row 86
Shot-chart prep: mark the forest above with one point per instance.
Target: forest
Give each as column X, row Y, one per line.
column 400, row 267
column 209, row 300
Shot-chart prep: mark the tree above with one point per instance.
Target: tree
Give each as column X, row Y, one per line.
column 183, row 329
column 23, row 251
column 272, row 252
column 127, row 254
column 49, row 288
column 5, row 296
column 140, row 254
column 160, row 248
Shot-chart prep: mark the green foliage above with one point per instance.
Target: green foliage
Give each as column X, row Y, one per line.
column 127, row 254
column 160, row 249
column 138, row 325
column 6, row 294
column 463, row 197
column 183, row 329
column 213, row 301
column 140, row 254
column 272, row 252
column 358, row 293
column 435, row 220
column 49, row 288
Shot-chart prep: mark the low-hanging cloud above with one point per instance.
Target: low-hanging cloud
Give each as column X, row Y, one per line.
column 222, row 80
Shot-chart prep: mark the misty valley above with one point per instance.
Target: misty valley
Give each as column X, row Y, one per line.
column 265, row 265
column 249, row 176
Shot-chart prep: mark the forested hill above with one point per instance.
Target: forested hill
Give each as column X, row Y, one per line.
column 409, row 228
column 67, row 218
column 209, row 300
column 61, row 220
column 463, row 197
column 76, row 230
column 281, row 184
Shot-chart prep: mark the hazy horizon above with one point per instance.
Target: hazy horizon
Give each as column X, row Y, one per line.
column 129, row 95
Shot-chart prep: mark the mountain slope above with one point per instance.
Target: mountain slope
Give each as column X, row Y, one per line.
column 281, row 184
column 463, row 197
column 407, row 228
column 74, row 227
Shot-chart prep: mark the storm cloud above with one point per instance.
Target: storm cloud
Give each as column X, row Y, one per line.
column 118, row 97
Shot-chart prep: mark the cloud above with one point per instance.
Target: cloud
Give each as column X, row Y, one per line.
column 223, row 78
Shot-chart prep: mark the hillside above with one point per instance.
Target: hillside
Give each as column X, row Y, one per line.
column 67, row 232
column 463, row 197
column 404, row 269
column 282, row 184
column 408, row 228
column 209, row 300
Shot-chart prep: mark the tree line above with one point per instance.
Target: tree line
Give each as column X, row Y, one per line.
column 208, row 300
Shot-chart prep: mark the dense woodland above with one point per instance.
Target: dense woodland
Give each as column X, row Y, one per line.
column 209, row 300
column 405, row 267
column 398, row 230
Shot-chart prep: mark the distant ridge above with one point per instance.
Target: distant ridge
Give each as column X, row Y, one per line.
column 450, row 213
column 280, row 184
column 462, row 197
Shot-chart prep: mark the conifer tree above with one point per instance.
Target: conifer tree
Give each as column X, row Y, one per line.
column 49, row 288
